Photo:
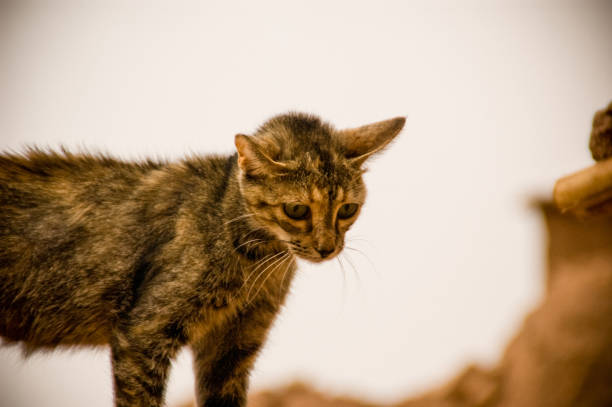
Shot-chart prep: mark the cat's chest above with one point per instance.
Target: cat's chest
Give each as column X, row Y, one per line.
column 262, row 288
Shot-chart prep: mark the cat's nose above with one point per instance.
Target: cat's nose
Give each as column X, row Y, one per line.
column 324, row 252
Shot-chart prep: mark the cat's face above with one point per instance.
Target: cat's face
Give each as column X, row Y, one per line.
column 302, row 180
column 311, row 217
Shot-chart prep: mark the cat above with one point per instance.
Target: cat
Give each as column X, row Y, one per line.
column 149, row 257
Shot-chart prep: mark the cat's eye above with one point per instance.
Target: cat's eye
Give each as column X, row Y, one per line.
column 347, row 210
column 296, row 211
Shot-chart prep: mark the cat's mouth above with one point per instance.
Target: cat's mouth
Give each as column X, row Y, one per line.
column 315, row 256
column 316, row 259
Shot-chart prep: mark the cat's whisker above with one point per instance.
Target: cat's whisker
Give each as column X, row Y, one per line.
column 237, row 218
column 260, row 263
column 343, row 280
column 258, row 242
column 253, row 231
column 366, row 257
column 256, row 266
column 280, row 288
column 361, row 239
column 355, row 272
column 289, row 243
column 270, row 261
column 278, row 266
column 261, row 273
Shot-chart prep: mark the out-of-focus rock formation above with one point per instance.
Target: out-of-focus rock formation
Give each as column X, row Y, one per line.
column 601, row 135
column 589, row 191
column 563, row 354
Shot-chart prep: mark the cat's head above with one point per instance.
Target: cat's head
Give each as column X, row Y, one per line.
column 302, row 179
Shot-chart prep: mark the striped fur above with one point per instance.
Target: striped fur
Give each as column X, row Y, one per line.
column 149, row 257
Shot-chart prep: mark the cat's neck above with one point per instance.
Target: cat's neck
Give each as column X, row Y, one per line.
column 247, row 236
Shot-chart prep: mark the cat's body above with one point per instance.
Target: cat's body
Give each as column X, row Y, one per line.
column 151, row 257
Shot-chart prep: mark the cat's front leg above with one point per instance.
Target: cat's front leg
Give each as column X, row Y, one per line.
column 141, row 352
column 224, row 358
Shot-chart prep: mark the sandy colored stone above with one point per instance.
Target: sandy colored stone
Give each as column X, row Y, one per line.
column 601, row 134
column 589, row 191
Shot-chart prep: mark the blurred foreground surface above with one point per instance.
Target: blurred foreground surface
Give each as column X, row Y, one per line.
column 562, row 355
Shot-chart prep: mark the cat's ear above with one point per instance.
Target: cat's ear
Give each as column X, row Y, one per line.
column 253, row 160
column 361, row 142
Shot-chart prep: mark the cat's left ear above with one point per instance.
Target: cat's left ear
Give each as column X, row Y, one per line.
column 362, row 142
column 254, row 160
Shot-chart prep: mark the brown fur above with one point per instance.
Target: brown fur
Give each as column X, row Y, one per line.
column 148, row 257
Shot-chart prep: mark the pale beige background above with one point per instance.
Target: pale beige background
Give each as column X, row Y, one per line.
column 499, row 98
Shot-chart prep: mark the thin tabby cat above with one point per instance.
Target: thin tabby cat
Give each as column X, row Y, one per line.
column 148, row 257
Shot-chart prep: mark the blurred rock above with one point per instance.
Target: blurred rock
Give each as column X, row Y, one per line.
column 601, row 135
column 563, row 354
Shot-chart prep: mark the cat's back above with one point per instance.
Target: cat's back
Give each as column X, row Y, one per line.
column 63, row 189
column 78, row 233
column 38, row 174
column 48, row 197
column 63, row 243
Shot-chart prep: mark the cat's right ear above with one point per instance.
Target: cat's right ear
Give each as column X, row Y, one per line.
column 253, row 160
column 362, row 142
